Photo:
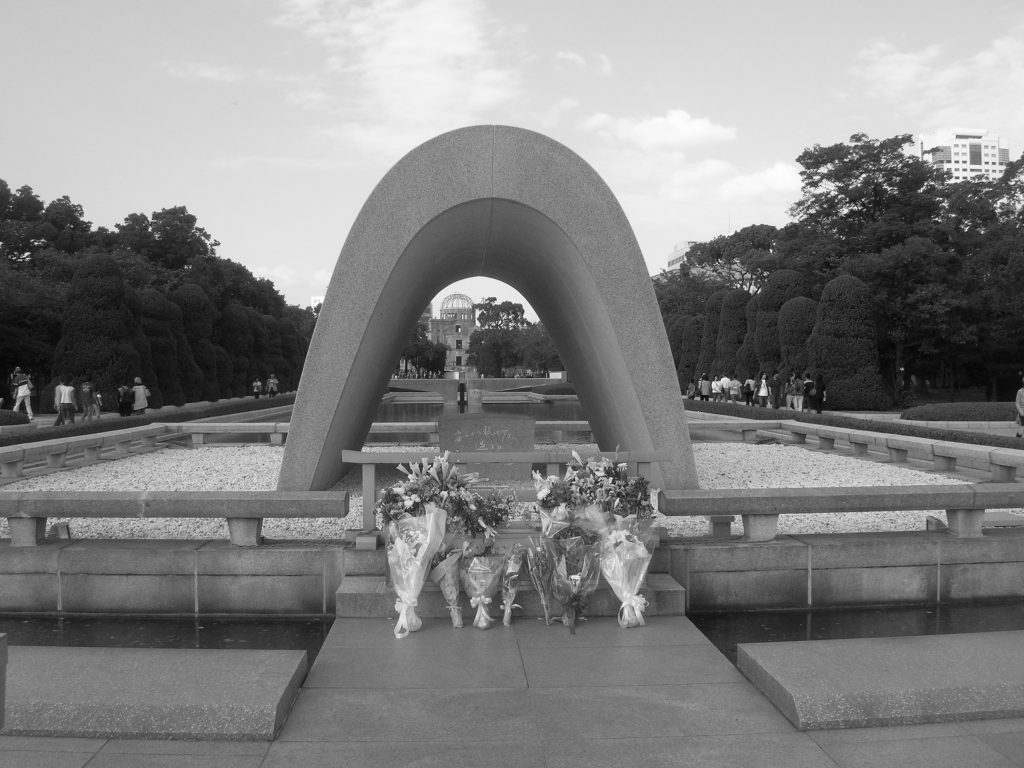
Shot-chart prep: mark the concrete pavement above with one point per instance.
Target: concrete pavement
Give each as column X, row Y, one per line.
column 535, row 696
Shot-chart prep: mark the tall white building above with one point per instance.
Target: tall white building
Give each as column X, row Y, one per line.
column 968, row 154
column 678, row 255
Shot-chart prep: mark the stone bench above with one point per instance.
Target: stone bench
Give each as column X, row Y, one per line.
column 760, row 508
column 198, row 430
column 748, row 427
column 27, row 512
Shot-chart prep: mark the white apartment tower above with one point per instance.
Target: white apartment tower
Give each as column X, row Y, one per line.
column 968, row 154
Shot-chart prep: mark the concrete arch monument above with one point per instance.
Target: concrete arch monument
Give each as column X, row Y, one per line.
column 516, row 206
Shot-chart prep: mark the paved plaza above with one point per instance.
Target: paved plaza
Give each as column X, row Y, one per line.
column 534, row 696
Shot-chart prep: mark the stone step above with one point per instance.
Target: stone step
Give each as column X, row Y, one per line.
column 370, row 596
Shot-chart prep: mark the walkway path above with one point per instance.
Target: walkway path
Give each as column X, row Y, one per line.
column 536, row 697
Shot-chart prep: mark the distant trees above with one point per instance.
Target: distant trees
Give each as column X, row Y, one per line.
column 506, row 340
column 942, row 265
column 150, row 299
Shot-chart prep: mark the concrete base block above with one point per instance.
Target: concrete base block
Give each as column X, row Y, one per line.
column 151, row 693
column 760, row 527
column 27, row 531
column 720, row 526
column 245, row 531
column 965, row 523
column 890, row 681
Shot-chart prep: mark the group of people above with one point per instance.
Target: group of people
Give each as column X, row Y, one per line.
column 270, row 389
column 797, row 393
column 70, row 398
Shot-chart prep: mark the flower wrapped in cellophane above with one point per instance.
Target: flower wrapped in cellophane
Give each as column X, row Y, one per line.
column 481, row 579
column 444, row 572
column 576, row 572
column 626, row 550
column 510, row 581
column 412, row 542
column 541, row 567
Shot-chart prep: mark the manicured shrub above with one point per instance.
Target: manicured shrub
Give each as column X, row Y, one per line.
column 689, row 350
column 97, row 332
column 237, row 339
column 984, row 411
column 746, row 355
column 158, row 318
column 843, row 347
column 732, row 328
column 709, row 336
column 197, row 316
column 796, row 321
column 781, row 286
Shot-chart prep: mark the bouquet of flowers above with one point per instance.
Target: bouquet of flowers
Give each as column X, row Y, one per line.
column 444, row 571
column 541, row 569
column 412, row 542
column 597, row 481
column 510, row 581
column 435, row 481
column 575, row 574
column 626, row 549
column 481, row 578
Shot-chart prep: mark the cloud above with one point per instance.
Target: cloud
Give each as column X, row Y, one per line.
column 693, row 179
column 197, row 71
column 673, row 131
column 408, row 70
column 599, row 63
column 944, row 89
column 571, row 57
column 780, row 178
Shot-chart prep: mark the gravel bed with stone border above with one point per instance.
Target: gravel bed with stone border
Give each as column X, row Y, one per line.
column 256, row 467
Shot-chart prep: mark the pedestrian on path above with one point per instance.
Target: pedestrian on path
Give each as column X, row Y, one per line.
column 140, row 393
column 21, row 387
column 65, row 401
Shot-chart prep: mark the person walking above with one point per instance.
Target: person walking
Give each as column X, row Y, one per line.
column 125, row 399
column 748, row 391
column 764, row 390
column 734, row 390
column 64, row 402
column 818, row 398
column 90, row 400
column 1019, row 402
column 21, row 391
column 140, row 397
column 272, row 385
column 705, row 387
column 257, row 387
column 808, row 386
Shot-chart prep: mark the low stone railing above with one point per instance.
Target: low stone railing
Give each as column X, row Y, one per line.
column 81, row 449
column 1001, row 463
column 964, row 504
column 27, row 511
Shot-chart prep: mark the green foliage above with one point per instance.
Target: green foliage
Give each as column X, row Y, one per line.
column 159, row 317
column 508, row 315
column 780, row 287
column 990, row 411
column 843, row 347
column 796, row 321
column 732, row 328
column 709, row 336
column 197, row 323
column 741, row 260
column 536, row 349
column 689, row 350
column 746, row 355
column 236, row 336
column 98, row 329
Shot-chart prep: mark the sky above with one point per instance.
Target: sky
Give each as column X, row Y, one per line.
column 273, row 120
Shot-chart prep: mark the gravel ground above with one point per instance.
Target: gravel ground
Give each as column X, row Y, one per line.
column 256, row 467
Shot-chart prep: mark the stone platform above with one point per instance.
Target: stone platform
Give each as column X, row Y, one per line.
column 890, row 681
column 151, row 693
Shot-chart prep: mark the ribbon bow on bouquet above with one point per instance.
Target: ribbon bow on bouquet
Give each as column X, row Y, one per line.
column 481, row 580
column 626, row 551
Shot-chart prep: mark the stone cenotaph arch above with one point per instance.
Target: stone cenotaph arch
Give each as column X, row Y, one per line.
column 516, row 206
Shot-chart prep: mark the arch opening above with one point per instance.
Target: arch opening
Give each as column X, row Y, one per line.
column 574, row 260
